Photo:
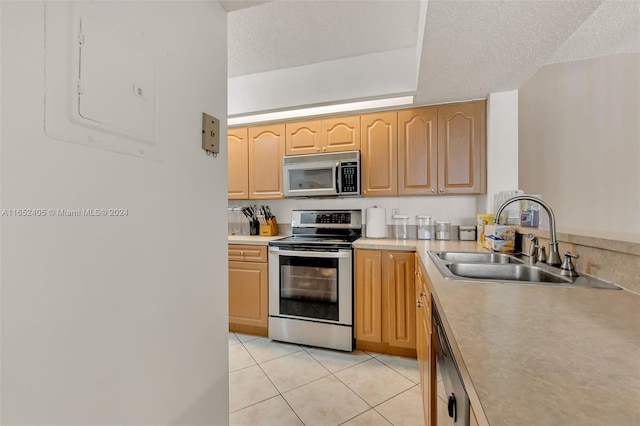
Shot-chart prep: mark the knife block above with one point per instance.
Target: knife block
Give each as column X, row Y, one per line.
column 270, row 229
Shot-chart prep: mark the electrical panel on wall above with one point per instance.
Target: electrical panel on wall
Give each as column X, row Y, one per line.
column 101, row 82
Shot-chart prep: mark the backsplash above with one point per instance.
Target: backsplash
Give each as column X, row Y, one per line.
column 458, row 209
column 614, row 261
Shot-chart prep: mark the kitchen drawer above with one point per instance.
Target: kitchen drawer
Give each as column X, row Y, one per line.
column 247, row 253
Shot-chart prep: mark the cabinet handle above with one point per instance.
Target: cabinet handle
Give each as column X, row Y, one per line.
column 417, row 273
column 433, row 190
column 241, row 253
column 441, row 189
column 324, row 148
column 422, row 294
column 390, row 256
column 419, row 304
column 317, row 149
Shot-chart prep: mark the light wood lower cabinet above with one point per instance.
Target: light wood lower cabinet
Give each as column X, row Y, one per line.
column 426, row 359
column 385, row 303
column 248, row 289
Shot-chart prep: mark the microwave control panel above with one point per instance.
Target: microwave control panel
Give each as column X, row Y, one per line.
column 349, row 177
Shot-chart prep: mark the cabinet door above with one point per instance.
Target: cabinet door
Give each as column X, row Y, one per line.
column 248, row 299
column 398, row 280
column 417, row 151
column 462, row 148
column 423, row 344
column 303, row 137
column 341, row 134
column 238, row 164
column 379, row 140
column 266, row 149
column 368, row 295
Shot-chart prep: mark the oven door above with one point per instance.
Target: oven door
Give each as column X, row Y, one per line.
column 310, row 179
column 311, row 285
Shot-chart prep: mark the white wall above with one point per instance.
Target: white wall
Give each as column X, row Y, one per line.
column 502, row 144
column 580, row 142
column 326, row 82
column 115, row 320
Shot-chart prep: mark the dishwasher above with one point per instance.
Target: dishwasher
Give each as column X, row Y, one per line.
column 455, row 397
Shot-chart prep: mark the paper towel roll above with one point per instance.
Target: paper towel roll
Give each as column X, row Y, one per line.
column 376, row 222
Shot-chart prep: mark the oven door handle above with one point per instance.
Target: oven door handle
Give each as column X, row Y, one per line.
column 325, row 254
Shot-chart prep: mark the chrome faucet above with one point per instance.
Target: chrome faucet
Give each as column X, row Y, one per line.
column 533, row 248
column 554, row 257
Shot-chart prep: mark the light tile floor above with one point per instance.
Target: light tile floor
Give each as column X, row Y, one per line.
column 279, row 384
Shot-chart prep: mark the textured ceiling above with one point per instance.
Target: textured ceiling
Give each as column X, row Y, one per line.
column 466, row 50
column 283, row 34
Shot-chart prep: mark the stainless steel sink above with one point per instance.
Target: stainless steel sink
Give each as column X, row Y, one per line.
column 470, row 256
column 498, row 272
column 506, row 268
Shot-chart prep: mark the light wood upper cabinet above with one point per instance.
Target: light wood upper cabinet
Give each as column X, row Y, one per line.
column 303, row 137
column 238, row 164
column 417, row 151
column 368, row 289
column 462, row 148
column 341, row 134
column 379, row 153
column 320, row 136
column 266, row 149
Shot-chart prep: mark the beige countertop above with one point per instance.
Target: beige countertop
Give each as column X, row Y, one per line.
column 254, row 240
column 538, row 355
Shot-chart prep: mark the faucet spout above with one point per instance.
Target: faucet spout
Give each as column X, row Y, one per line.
column 554, row 256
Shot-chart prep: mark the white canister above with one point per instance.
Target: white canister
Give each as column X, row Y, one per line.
column 467, row 233
column 425, row 227
column 443, row 230
column 400, row 226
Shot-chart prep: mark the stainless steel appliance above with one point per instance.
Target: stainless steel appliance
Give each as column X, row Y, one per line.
column 455, row 397
column 318, row 175
column 311, row 279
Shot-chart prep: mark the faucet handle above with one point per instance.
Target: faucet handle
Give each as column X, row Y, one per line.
column 542, row 254
column 567, row 267
column 533, row 247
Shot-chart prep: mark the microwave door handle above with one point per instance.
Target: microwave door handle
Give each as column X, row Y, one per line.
column 337, row 178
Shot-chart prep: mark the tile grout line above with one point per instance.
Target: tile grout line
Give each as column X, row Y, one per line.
column 330, row 373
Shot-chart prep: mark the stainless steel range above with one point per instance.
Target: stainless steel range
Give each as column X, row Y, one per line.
column 311, row 279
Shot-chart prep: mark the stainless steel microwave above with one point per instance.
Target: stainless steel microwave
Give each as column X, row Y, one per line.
column 321, row 175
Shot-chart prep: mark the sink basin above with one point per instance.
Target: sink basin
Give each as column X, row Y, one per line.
column 501, row 272
column 484, row 267
column 469, row 256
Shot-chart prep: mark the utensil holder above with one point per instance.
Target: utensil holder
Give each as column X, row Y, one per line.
column 254, row 227
column 271, row 228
